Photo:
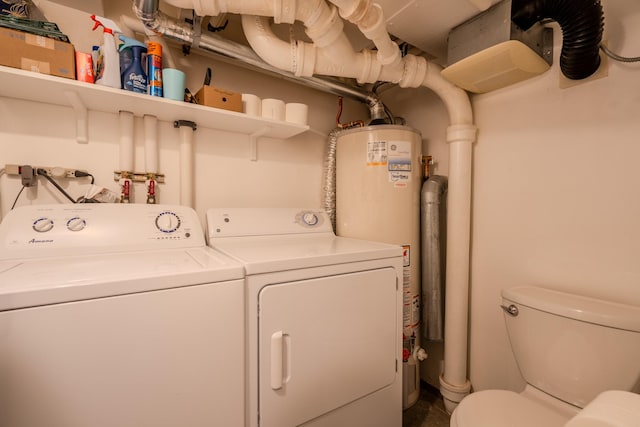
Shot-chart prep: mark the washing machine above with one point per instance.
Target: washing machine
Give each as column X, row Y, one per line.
column 324, row 319
column 117, row 315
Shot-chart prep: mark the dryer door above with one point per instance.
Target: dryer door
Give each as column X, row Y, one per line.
column 324, row 343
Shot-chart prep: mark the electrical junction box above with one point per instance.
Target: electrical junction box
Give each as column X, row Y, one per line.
column 489, row 51
column 31, row 52
column 219, row 98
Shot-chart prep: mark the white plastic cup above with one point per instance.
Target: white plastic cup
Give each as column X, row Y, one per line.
column 273, row 109
column 173, row 84
column 297, row 113
column 251, row 105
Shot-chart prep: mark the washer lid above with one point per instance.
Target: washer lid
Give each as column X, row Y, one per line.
column 265, row 254
column 502, row 408
column 28, row 283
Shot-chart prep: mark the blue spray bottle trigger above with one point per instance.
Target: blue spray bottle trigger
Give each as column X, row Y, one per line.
column 134, row 77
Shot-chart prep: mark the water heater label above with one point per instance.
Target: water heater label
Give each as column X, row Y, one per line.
column 399, row 163
column 377, row 153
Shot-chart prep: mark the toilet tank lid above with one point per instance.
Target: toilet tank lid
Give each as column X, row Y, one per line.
column 578, row 307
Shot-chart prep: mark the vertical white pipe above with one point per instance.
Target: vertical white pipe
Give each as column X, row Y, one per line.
column 186, row 163
column 150, row 144
column 126, row 141
column 454, row 384
column 126, row 163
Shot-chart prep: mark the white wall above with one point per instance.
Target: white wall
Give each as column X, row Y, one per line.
column 556, row 200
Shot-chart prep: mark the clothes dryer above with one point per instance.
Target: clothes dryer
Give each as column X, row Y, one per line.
column 117, row 315
column 324, row 326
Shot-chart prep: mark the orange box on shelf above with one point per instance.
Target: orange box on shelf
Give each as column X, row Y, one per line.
column 219, row 98
column 36, row 53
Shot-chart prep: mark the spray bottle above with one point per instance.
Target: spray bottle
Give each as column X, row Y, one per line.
column 108, row 64
column 133, row 75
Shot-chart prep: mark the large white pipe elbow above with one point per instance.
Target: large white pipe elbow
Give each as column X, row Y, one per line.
column 305, row 59
column 375, row 29
column 266, row 44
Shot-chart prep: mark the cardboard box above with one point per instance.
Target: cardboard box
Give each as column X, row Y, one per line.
column 36, row 53
column 218, row 98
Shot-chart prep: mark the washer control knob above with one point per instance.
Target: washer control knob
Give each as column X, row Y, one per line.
column 76, row 224
column 168, row 222
column 310, row 218
column 42, row 225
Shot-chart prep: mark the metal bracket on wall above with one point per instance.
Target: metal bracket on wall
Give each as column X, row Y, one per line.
column 253, row 138
column 138, row 176
column 82, row 125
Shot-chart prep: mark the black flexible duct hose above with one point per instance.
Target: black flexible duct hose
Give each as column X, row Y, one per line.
column 582, row 24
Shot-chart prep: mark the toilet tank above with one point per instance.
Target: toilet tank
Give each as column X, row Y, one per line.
column 573, row 347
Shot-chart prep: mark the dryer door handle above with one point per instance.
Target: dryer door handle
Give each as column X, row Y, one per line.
column 276, row 360
column 280, row 358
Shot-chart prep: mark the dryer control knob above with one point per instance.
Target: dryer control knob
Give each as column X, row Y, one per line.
column 309, row 218
column 42, row 225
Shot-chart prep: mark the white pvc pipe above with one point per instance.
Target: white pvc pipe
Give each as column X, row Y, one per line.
column 186, row 166
column 454, row 385
column 338, row 60
column 216, row 7
column 150, row 144
column 125, row 119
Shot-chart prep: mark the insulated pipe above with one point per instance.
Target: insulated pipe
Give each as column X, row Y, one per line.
column 433, row 190
column 329, row 185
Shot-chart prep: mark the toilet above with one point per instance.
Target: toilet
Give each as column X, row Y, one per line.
column 570, row 349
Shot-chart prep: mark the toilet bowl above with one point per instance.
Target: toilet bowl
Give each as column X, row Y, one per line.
column 503, row 408
column 570, row 350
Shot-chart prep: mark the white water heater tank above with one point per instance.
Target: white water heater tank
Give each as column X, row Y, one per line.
column 378, row 182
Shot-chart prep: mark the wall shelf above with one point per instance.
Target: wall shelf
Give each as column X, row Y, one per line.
column 82, row 97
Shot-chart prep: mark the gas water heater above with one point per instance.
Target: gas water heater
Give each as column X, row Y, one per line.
column 378, row 183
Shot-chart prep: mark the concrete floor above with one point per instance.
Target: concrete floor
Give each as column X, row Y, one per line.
column 428, row 411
